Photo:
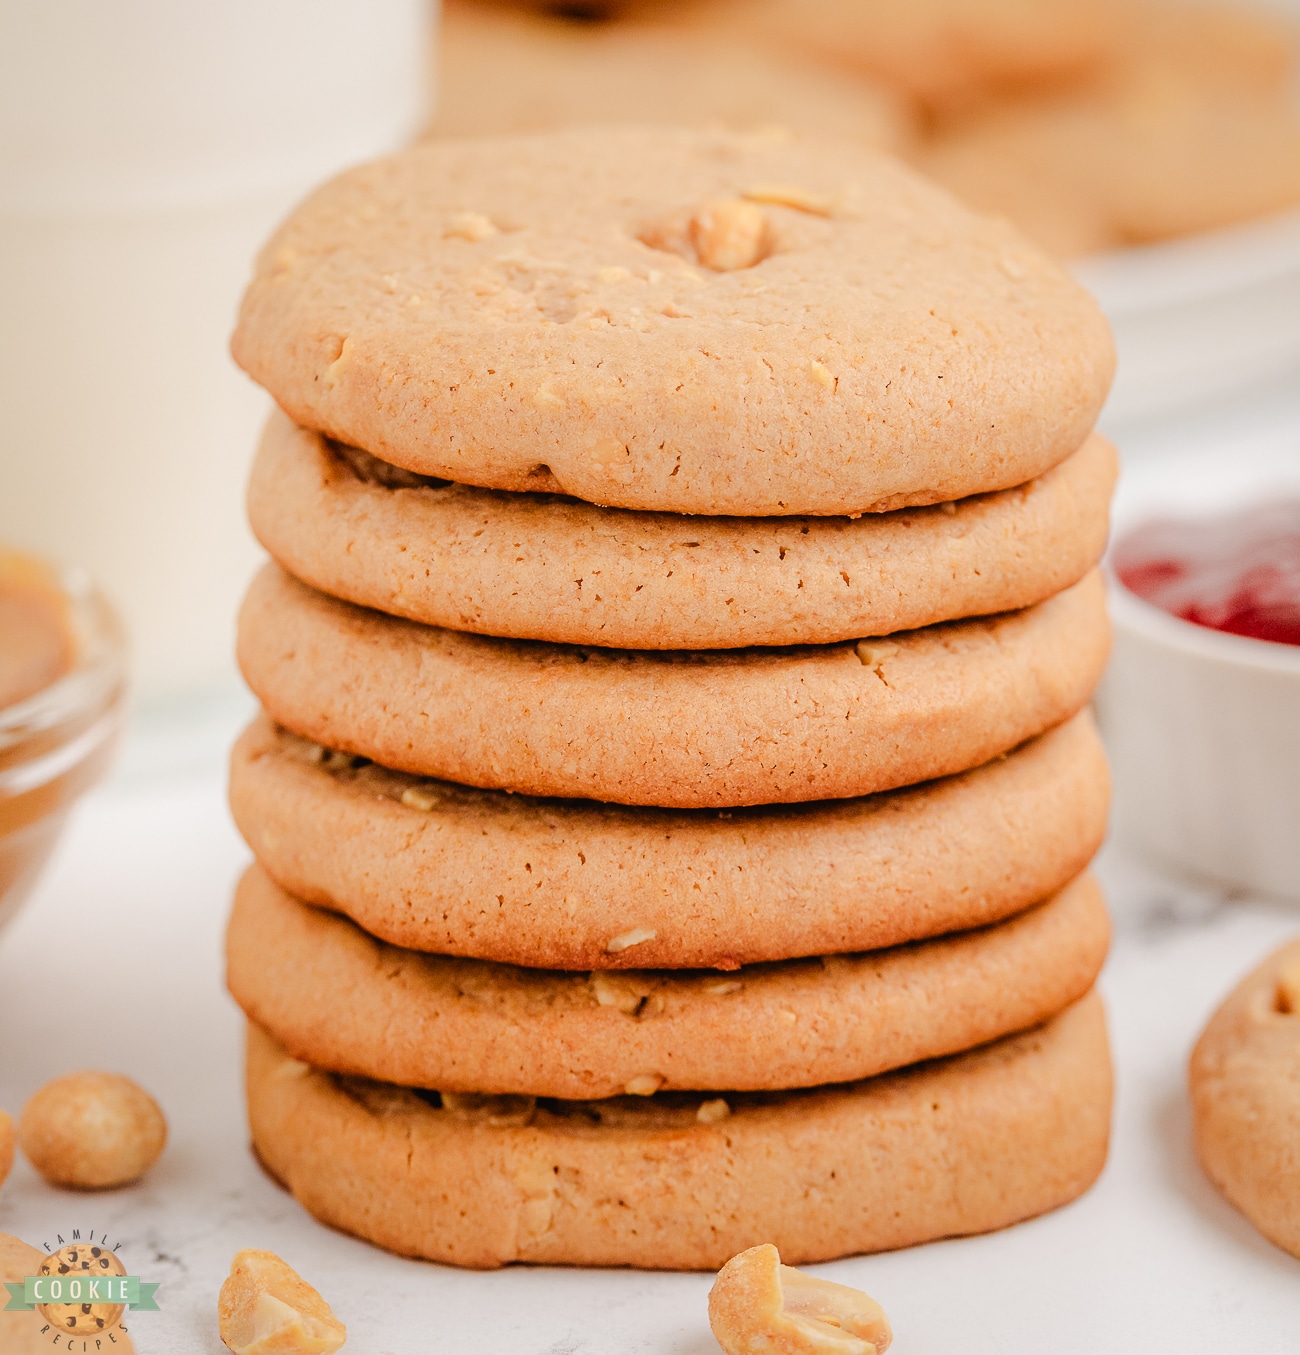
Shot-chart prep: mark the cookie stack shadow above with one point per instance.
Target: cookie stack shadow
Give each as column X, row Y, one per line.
column 636, row 884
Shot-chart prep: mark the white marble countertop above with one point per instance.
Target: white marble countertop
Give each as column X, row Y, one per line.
column 116, row 963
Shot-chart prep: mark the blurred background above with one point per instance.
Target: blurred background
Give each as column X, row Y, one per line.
column 147, row 147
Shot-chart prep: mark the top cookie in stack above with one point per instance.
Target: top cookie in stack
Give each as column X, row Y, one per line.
column 706, row 475
column 675, row 321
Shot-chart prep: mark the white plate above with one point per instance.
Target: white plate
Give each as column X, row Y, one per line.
column 1198, row 318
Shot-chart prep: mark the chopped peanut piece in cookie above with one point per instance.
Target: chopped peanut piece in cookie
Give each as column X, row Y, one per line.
column 619, row 991
column 501, row 1112
column 92, row 1131
column 609, row 452
column 267, row 1308
column 6, row 1145
column 644, row 1084
column 729, row 235
column 415, row 797
column 757, row 1304
column 713, row 1112
column 872, row 653
column 1288, row 991
column 626, row 940
column 823, row 376
column 788, row 195
column 724, row 988
column 471, row 226
column 724, row 235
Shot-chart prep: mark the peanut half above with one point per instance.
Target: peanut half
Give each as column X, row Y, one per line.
column 267, row 1308
column 758, row 1305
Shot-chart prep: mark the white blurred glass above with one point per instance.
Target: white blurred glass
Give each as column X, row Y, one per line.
column 147, row 147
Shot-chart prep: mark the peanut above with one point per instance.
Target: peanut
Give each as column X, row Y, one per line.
column 267, row 1308
column 92, row 1131
column 729, row 235
column 757, row 1304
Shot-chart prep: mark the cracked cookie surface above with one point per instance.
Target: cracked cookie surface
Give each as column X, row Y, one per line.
column 556, row 312
column 677, row 728
column 572, row 884
column 962, row 1145
column 546, row 567
column 340, row 1000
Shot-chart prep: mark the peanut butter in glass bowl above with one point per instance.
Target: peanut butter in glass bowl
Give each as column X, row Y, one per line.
column 62, row 679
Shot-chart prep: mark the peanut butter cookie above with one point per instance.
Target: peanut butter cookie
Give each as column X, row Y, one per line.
column 678, row 728
column 567, row 884
column 342, row 1001
column 1245, row 1085
column 691, row 321
column 682, row 1181
column 542, row 567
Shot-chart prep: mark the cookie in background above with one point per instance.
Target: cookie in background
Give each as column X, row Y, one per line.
column 508, row 70
column 1193, row 124
column 946, row 55
column 1091, row 124
column 1246, row 1097
column 941, row 54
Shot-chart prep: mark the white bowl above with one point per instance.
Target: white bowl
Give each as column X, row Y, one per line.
column 1199, row 318
column 1203, row 728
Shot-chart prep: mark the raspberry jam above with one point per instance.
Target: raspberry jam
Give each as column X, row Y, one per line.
column 1239, row 573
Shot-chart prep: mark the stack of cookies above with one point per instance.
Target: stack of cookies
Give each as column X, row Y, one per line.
column 674, row 791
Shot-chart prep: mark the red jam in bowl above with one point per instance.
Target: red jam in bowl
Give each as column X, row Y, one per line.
column 1238, row 573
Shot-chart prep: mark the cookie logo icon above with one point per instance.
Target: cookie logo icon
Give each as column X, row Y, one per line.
column 72, row 1271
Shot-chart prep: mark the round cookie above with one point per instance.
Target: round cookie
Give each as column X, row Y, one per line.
column 945, row 53
column 683, row 729
column 1245, row 1087
column 682, row 1181
column 1153, row 158
column 575, row 885
column 516, row 72
column 1036, row 163
column 811, row 328
column 1193, row 128
column 340, row 1000
column 539, row 567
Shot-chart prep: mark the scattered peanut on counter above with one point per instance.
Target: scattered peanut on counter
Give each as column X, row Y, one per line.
column 92, row 1131
column 757, row 1304
column 267, row 1308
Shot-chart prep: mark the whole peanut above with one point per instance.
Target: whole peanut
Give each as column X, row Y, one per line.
column 92, row 1131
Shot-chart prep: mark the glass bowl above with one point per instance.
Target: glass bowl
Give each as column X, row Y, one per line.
column 56, row 743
